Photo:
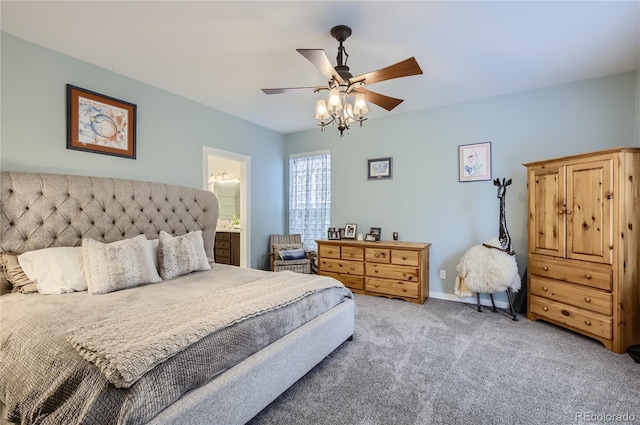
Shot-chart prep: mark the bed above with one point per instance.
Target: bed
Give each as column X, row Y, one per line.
column 173, row 351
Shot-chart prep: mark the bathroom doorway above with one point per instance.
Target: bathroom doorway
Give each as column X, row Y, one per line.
column 227, row 174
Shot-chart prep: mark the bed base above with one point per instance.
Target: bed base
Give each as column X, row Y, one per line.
column 240, row 393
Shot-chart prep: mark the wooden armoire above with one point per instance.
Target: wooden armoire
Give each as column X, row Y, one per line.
column 584, row 244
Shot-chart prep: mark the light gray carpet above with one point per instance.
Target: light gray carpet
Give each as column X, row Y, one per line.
column 445, row 363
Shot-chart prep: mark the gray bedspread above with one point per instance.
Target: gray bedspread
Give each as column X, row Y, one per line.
column 45, row 380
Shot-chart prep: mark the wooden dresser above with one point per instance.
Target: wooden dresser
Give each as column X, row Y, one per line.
column 584, row 245
column 387, row 268
column 227, row 248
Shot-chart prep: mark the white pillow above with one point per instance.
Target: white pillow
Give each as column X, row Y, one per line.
column 118, row 265
column 181, row 254
column 55, row 270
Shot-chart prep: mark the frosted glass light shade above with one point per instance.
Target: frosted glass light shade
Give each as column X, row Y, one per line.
column 360, row 105
column 321, row 110
column 334, row 100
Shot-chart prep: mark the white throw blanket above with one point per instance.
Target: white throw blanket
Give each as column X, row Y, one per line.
column 126, row 348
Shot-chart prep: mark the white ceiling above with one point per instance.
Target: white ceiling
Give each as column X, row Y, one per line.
column 221, row 53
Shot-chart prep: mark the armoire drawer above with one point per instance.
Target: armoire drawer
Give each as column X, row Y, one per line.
column 568, row 293
column 392, row 287
column 575, row 317
column 594, row 275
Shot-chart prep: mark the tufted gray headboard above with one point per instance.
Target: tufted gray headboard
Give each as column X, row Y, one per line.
column 45, row 210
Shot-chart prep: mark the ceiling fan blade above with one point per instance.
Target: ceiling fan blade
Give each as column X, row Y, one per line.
column 319, row 58
column 405, row 68
column 292, row 89
column 385, row 102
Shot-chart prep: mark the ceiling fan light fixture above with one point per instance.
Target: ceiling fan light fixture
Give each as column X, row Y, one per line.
column 360, row 106
column 321, row 110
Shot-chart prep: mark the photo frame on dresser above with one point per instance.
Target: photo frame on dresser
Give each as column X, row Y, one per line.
column 332, row 234
column 375, row 232
column 350, row 231
column 100, row 124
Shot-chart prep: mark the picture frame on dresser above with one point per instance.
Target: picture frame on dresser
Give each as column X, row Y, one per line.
column 350, row 231
column 375, row 232
column 332, row 234
column 100, row 124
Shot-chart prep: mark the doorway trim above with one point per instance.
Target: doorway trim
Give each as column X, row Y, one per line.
column 245, row 194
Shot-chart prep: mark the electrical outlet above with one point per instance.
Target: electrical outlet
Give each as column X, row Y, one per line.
column 443, row 274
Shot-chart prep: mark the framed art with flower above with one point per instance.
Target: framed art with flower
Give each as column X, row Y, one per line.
column 100, row 124
column 474, row 162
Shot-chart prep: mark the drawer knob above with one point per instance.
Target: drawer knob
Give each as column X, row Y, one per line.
column 587, row 276
column 353, row 268
column 404, row 274
column 587, row 322
column 330, row 252
column 404, row 258
column 545, row 308
column 544, row 288
column 587, row 299
column 545, row 268
column 377, row 255
column 376, row 270
column 376, row 285
column 404, row 289
column 565, row 313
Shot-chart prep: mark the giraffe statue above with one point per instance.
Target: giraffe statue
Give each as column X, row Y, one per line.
column 505, row 239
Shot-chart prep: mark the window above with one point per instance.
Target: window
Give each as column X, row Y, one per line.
column 310, row 196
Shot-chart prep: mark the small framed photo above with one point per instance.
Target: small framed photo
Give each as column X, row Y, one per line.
column 332, row 234
column 376, row 232
column 100, row 124
column 380, row 168
column 474, row 162
column 341, row 233
column 350, row 231
column 370, row 237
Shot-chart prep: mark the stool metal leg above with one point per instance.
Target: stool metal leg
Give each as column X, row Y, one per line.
column 478, row 300
column 495, row 310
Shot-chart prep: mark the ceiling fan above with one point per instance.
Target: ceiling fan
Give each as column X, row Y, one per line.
column 342, row 84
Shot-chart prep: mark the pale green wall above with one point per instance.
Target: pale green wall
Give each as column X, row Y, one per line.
column 638, row 108
column 425, row 202
column 171, row 131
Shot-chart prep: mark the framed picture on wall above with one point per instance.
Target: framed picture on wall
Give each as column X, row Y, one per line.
column 380, row 168
column 100, row 124
column 474, row 162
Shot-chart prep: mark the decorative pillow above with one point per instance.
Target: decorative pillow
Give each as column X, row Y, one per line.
column 55, row 270
column 293, row 254
column 118, row 265
column 14, row 276
column 277, row 247
column 181, row 254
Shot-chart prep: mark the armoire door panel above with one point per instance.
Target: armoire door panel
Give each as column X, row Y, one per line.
column 547, row 211
column 590, row 211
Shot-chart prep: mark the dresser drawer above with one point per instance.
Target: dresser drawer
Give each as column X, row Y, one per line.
column 352, row 253
column 575, row 317
column 580, row 296
column 392, row 272
column 594, row 275
column 223, row 253
column 350, row 281
column 405, row 258
column 223, row 236
column 391, row 287
column 327, row 251
column 223, row 245
column 378, row 255
column 342, row 266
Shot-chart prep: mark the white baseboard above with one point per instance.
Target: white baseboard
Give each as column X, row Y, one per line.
column 484, row 299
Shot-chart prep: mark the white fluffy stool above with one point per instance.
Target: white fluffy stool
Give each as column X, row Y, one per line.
column 487, row 269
